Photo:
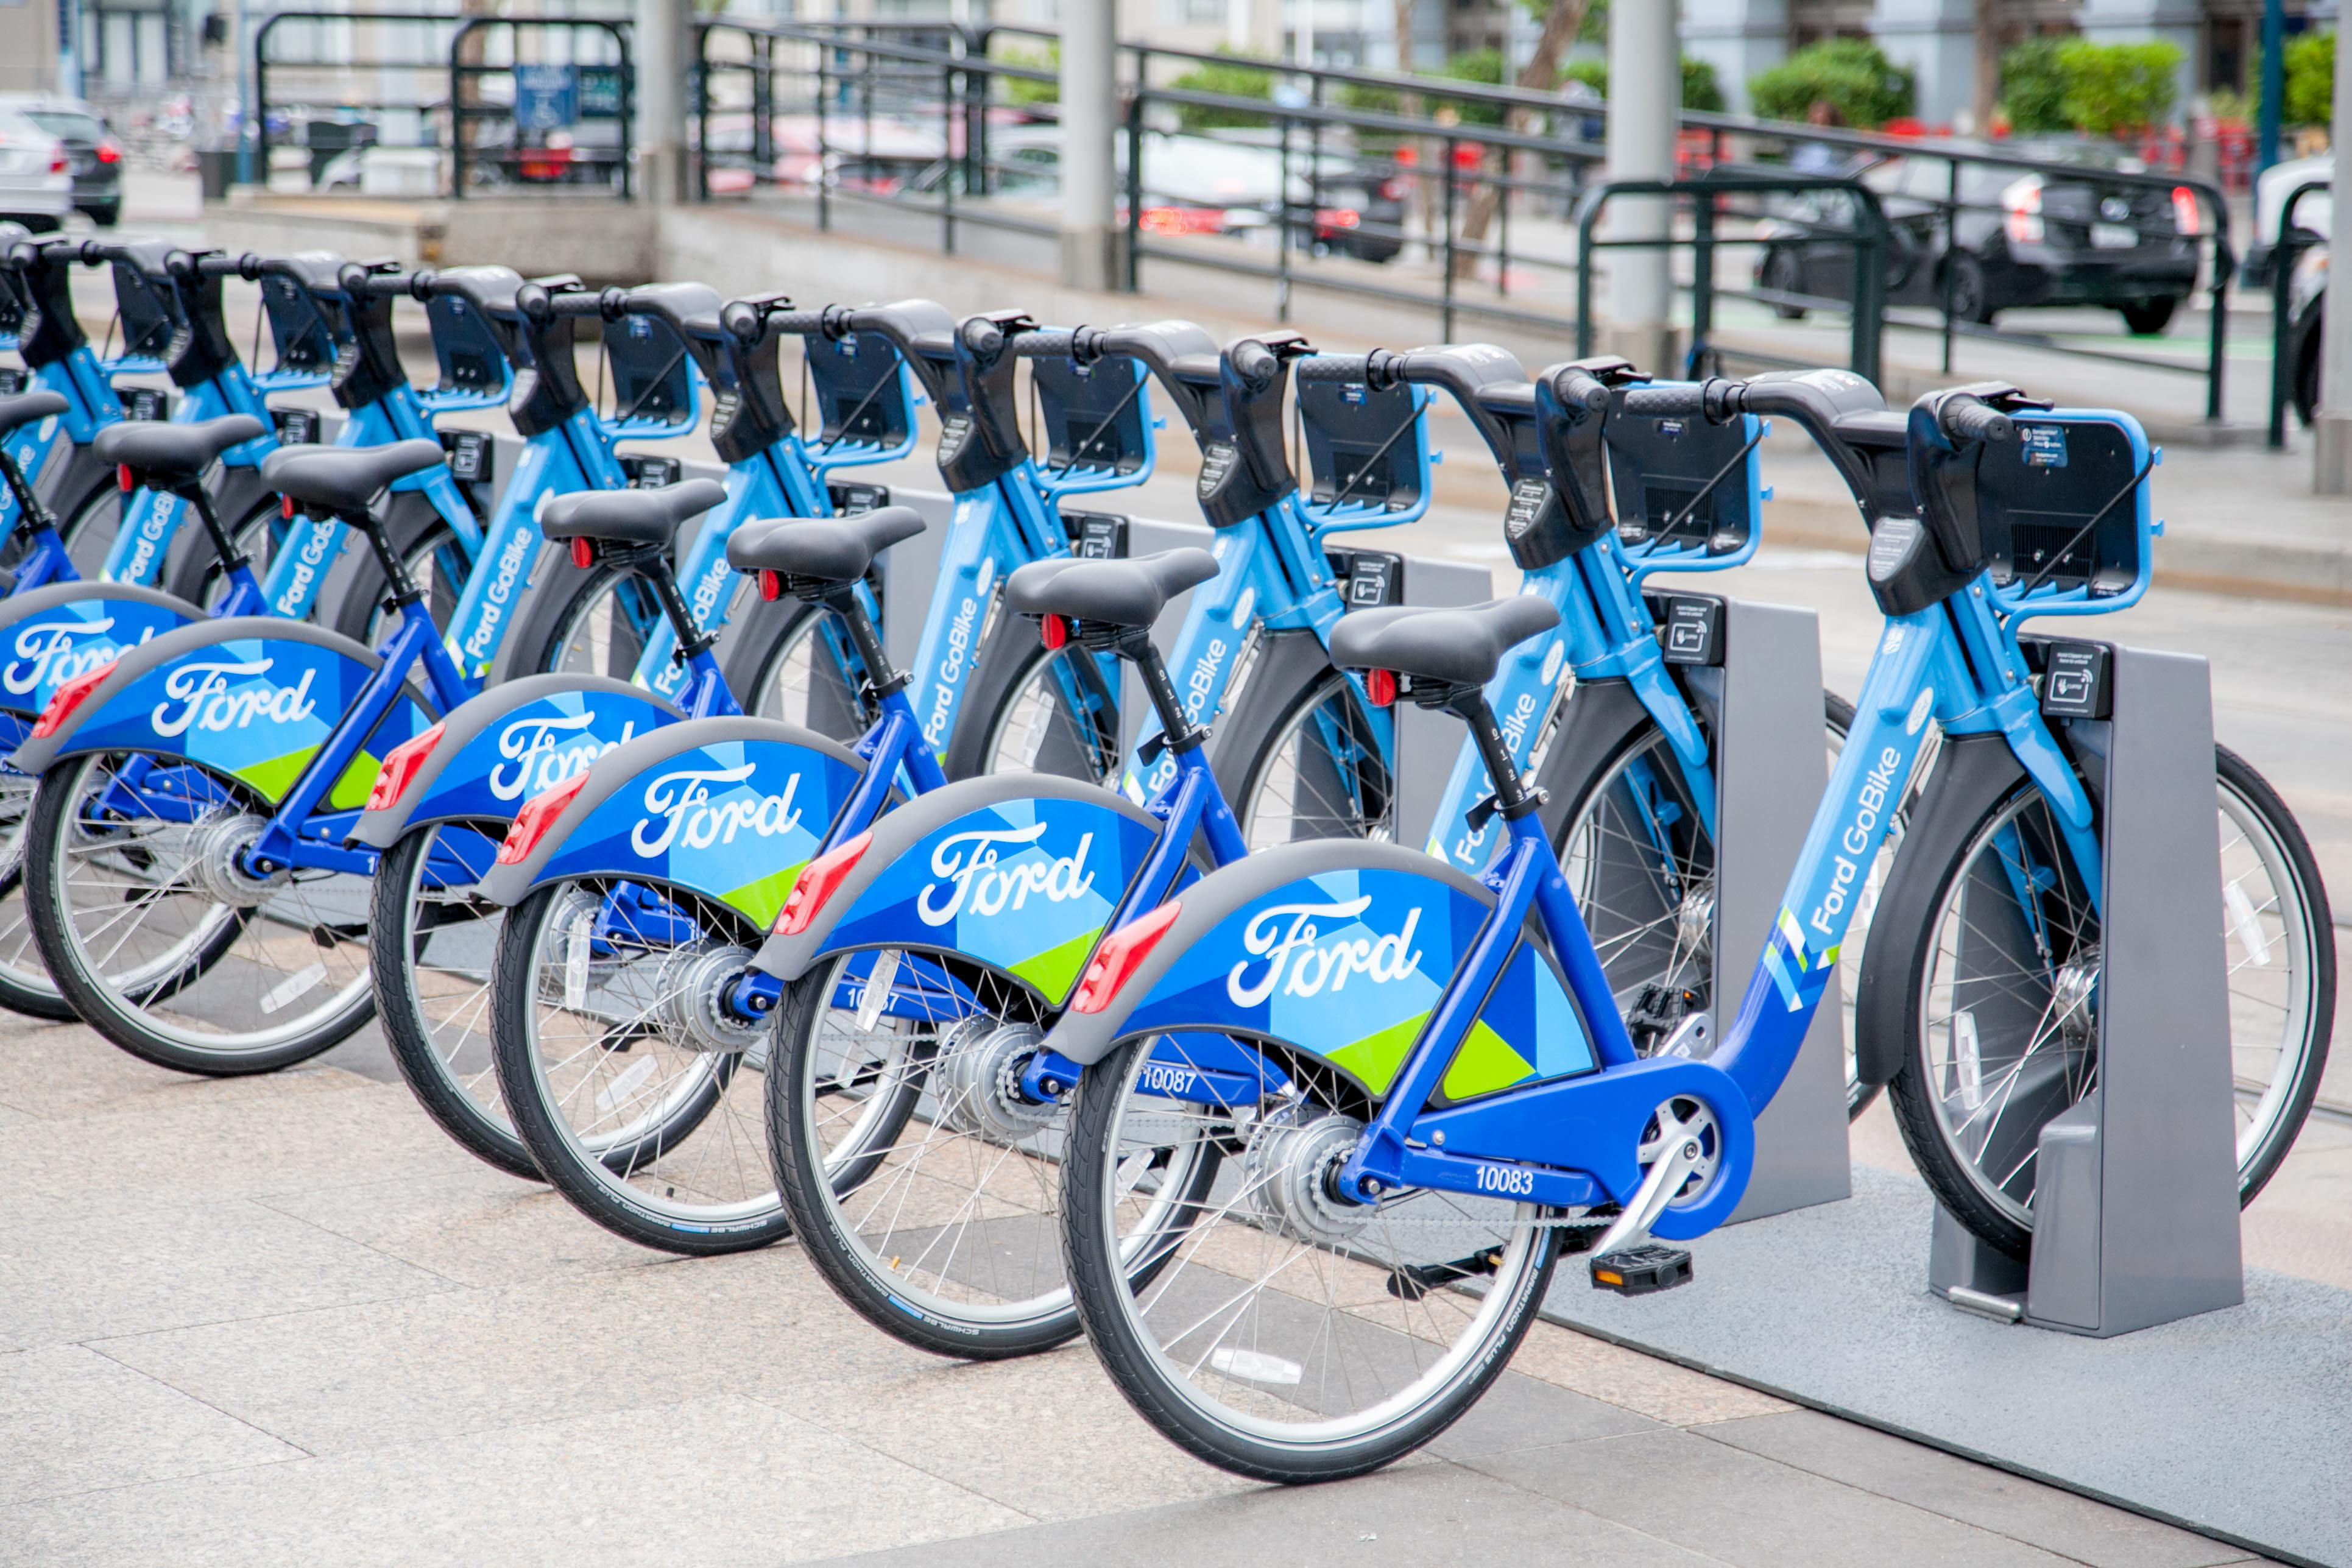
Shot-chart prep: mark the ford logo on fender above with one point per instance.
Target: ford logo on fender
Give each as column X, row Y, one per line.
column 967, row 865
column 680, row 810
column 205, row 701
column 1299, row 965
column 547, row 750
column 47, row 652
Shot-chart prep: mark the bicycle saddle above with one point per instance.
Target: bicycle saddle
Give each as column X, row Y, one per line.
column 1451, row 647
column 22, row 408
column 1130, row 592
column 180, row 452
column 822, row 549
column 630, row 517
column 344, row 479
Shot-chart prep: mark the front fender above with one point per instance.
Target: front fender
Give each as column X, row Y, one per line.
column 731, row 808
column 1020, row 871
column 1339, row 950
column 253, row 698
column 51, row 635
column 512, row 742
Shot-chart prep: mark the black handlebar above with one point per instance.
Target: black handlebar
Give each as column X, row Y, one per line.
column 1581, row 393
column 1964, row 418
column 540, row 306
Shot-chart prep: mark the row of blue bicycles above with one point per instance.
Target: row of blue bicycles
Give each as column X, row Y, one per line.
column 1066, row 970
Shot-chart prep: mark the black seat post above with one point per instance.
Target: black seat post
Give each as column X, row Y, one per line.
column 651, row 564
column 29, row 506
column 197, row 496
column 1512, row 797
column 882, row 678
column 1177, row 730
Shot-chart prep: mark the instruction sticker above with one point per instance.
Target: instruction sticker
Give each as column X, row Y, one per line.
column 2045, row 445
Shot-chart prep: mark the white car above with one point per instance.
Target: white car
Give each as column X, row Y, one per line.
column 36, row 174
column 2272, row 189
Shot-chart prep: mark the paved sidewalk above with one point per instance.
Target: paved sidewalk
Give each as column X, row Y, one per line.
column 284, row 1320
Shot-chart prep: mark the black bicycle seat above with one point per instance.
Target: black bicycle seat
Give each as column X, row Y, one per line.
column 1451, row 647
column 173, row 452
column 22, row 408
column 344, row 479
column 1130, row 592
column 822, row 549
column 630, row 517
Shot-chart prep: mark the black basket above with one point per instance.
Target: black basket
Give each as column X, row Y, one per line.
column 1362, row 449
column 1658, row 467
column 466, row 346
column 2053, row 506
column 860, row 397
column 298, row 327
column 1092, row 415
column 149, row 315
column 652, row 379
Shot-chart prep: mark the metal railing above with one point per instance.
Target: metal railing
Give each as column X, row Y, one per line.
column 482, row 134
column 2286, row 364
column 919, row 118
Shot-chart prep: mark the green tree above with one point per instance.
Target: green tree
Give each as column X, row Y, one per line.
column 2310, row 78
column 2033, row 87
column 1850, row 75
column 1483, row 67
column 1022, row 93
column 1237, row 77
column 1700, row 89
column 2116, row 86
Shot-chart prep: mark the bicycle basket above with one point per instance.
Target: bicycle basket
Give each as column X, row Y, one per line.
column 466, row 346
column 1684, row 486
column 861, row 398
column 297, row 328
column 1095, row 418
column 2065, row 511
column 148, row 318
column 653, row 376
column 1364, row 450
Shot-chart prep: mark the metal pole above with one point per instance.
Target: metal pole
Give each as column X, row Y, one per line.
column 1089, row 170
column 1446, row 310
column 662, row 56
column 1134, row 245
column 1644, row 93
column 1702, row 281
column 824, row 201
column 2331, row 425
column 1951, row 224
column 2266, row 146
column 1282, row 228
column 947, row 161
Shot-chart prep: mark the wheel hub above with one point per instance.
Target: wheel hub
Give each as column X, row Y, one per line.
column 1684, row 1125
column 2073, row 993
column 1694, row 918
column 1291, row 1168
column 977, row 1076
column 216, row 861
column 693, row 983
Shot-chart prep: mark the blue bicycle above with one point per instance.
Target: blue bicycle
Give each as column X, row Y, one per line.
column 1341, row 1108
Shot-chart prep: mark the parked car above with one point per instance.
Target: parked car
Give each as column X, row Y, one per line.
column 2021, row 238
column 35, row 177
column 93, row 157
column 2313, row 214
column 2307, row 314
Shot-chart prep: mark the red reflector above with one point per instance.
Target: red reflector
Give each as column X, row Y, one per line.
column 771, row 587
column 1379, row 685
column 400, row 766
column 286, row 507
column 816, row 883
column 1119, row 956
column 584, row 553
column 70, row 696
column 536, row 816
column 1054, row 631
column 122, row 478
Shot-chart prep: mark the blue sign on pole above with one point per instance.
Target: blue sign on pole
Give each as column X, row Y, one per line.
column 547, row 98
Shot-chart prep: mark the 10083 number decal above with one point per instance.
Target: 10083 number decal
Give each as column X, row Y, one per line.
column 1515, row 1181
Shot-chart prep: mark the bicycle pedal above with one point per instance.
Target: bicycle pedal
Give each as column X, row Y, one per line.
column 1413, row 1282
column 1643, row 1271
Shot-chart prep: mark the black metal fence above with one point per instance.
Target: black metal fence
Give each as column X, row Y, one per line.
column 1457, row 197
column 504, row 105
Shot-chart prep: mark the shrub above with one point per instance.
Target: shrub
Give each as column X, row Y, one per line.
column 1852, row 74
column 2116, row 86
column 2310, row 78
column 1238, row 79
column 1483, row 67
column 1701, row 90
column 1021, row 91
column 2033, row 87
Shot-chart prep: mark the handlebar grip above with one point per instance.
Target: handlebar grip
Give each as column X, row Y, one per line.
column 538, row 306
column 1048, row 342
column 1580, row 390
column 1257, row 366
column 1321, row 368
column 1965, row 419
column 1665, row 402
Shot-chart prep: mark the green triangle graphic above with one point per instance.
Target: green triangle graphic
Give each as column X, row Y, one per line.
column 1376, row 1058
column 350, row 791
column 1484, row 1063
column 763, row 899
column 1055, row 970
column 271, row 779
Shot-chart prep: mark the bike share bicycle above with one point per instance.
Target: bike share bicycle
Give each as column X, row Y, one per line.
column 714, row 1191
column 1421, row 1081
column 443, row 801
column 69, row 627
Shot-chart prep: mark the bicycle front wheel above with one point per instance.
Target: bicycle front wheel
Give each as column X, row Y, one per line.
column 1264, row 1326
column 632, row 1087
column 155, row 933
column 1998, row 992
column 1319, row 771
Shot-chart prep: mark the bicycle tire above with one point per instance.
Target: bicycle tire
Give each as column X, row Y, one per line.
column 1287, row 690
column 1008, row 689
column 1954, row 825
column 464, row 1105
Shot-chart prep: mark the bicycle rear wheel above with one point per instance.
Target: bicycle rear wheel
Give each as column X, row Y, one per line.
column 1264, row 1326
column 1990, row 961
column 163, row 943
column 635, row 1092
